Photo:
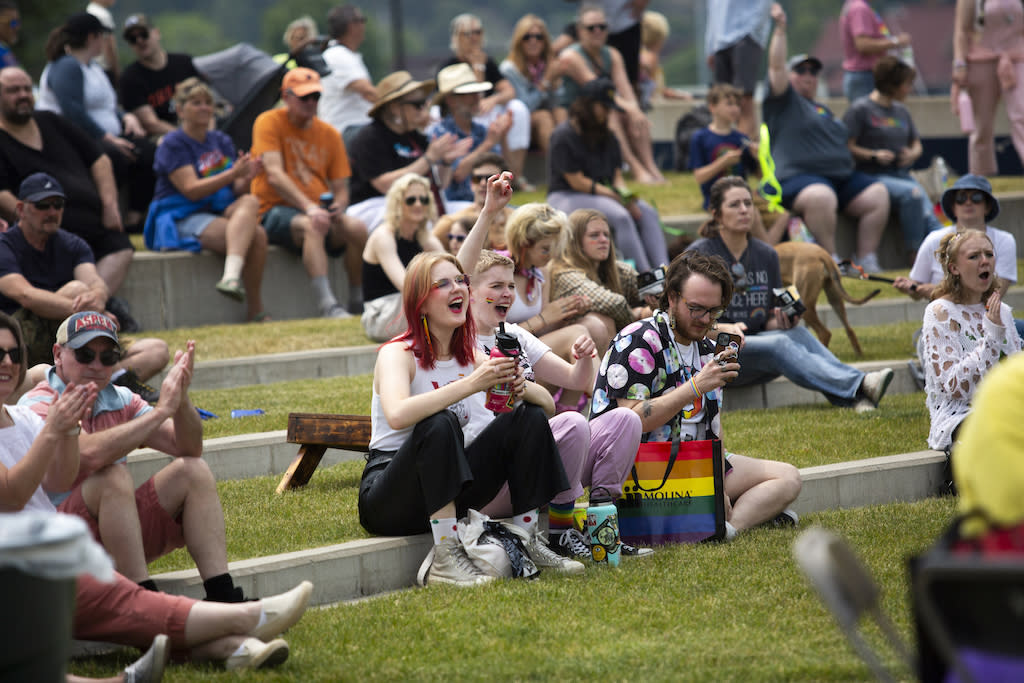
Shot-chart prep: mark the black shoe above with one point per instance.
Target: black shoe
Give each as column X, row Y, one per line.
column 130, row 380
column 785, row 518
column 119, row 307
column 627, row 550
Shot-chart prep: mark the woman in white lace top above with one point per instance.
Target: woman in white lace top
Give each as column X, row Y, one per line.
column 967, row 329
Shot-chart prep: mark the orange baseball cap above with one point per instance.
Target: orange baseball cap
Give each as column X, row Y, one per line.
column 301, row 81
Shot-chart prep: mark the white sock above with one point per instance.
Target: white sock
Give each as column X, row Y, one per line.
column 233, row 267
column 443, row 528
column 526, row 521
column 324, row 295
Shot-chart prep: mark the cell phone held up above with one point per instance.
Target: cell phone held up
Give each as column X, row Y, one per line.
column 724, row 342
column 788, row 299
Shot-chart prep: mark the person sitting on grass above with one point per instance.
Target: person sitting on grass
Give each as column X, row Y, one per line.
column 967, row 330
column 403, row 234
column 202, row 198
column 436, row 450
column 592, row 457
column 662, row 368
column 774, row 343
column 176, row 507
column 40, row 457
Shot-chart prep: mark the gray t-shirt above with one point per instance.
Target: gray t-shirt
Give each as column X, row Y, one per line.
column 754, row 276
column 876, row 127
column 806, row 137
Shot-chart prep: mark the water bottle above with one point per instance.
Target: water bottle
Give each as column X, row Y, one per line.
column 603, row 528
column 965, row 109
column 499, row 397
column 326, row 199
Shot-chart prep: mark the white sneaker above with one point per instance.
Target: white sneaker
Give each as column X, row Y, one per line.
column 258, row 655
column 282, row 611
column 546, row 558
column 337, row 311
column 149, row 668
column 869, row 264
column 874, row 384
column 452, row 565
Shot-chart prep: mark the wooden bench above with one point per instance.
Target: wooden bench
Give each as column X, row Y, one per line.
column 315, row 433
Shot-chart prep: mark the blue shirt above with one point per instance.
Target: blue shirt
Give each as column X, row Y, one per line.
column 458, row 192
column 209, row 157
column 706, row 146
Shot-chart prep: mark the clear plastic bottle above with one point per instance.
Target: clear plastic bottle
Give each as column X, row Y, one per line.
column 965, row 109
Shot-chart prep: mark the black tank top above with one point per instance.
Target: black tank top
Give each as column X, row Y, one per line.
column 375, row 281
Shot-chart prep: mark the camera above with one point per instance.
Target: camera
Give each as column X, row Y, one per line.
column 652, row 282
column 788, row 299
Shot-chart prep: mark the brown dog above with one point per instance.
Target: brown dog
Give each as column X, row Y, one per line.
column 812, row 269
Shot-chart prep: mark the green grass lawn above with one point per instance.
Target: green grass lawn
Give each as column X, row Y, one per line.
column 717, row 612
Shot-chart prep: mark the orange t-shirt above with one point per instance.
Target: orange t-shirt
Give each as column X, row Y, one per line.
column 312, row 156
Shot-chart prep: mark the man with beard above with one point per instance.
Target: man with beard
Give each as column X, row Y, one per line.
column 38, row 141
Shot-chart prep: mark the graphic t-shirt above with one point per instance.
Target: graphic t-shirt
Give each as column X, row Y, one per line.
column 209, row 157
column 707, row 145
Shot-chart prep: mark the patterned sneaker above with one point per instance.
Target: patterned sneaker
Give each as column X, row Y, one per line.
column 130, row 380
column 571, row 543
column 546, row 558
column 785, row 518
column 452, row 565
column 627, row 550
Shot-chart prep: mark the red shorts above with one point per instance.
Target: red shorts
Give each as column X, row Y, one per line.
column 125, row 613
column 161, row 533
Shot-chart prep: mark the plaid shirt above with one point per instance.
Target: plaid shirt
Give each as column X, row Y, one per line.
column 616, row 306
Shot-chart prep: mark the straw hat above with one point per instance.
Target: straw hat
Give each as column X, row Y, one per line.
column 396, row 85
column 458, row 79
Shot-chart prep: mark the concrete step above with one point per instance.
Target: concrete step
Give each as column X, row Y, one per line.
column 355, row 569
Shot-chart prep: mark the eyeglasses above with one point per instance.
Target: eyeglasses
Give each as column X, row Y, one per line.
column 594, row 28
column 533, row 36
column 311, row 97
column 86, row 355
column 449, row 282
column 472, row 32
column 963, row 197
column 57, row 204
column 138, row 36
column 417, row 104
column 14, row 354
column 457, row 238
column 804, row 69
column 698, row 312
column 480, row 177
column 422, row 199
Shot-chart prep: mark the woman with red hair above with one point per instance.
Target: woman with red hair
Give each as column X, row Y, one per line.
column 435, row 448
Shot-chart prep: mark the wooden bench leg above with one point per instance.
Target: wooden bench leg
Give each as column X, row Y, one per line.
column 302, row 468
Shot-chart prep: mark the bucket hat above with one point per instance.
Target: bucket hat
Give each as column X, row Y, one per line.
column 970, row 181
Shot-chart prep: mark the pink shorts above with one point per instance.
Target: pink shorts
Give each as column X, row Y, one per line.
column 125, row 613
column 161, row 533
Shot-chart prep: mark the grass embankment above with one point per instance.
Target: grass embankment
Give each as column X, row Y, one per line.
column 719, row 612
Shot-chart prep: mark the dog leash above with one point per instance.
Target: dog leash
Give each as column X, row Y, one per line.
column 855, row 271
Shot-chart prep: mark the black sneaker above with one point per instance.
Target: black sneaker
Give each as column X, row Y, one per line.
column 785, row 518
column 627, row 550
column 131, row 381
column 570, row 543
column 119, row 307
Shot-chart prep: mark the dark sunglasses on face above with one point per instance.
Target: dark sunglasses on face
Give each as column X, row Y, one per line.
column 480, row 177
column 805, row 69
column 593, row 28
column 533, row 36
column 14, row 354
column 446, row 282
column 974, row 197
column 457, row 238
column 46, row 205
column 138, row 36
column 311, row 97
column 422, row 199
column 86, row 355
column 416, row 104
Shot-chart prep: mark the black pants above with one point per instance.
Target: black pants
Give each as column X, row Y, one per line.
column 400, row 489
column 136, row 175
column 628, row 44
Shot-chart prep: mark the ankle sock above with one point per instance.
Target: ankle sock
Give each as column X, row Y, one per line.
column 560, row 517
column 150, row 585
column 324, row 296
column 233, row 267
column 527, row 520
column 443, row 528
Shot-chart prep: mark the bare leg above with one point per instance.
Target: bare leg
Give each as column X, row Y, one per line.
column 516, row 159
column 759, row 489
column 640, row 174
column 748, row 117
column 543, row 123
column 208, row 622
column 109, row 495
column 314, row 256
column 640, row 139
column 817, row 204
column 351, row 232
column 187, row 487
column 113, row 268
column 871, row 208
column 146, row 357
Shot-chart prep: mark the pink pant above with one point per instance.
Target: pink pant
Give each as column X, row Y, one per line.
column 123, row 612
column 597, row 453
column 983, row 87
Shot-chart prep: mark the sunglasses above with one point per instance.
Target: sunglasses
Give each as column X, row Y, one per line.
column 974, row 197
column 422, row 199
column 698, row 312
column 45, row 205
column 472, row 32
column 480, row 177
column 805, row 69
column 533, row 36
column 311, row 97
column 138, row 36
column 457, row 238
column 15, row 354
column 416, row 104
column 594, row 28
column 448, row 282
column 86, row 355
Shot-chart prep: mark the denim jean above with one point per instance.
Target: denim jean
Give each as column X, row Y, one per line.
column 912, row 205
column 797, row 355
column 857, row 84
